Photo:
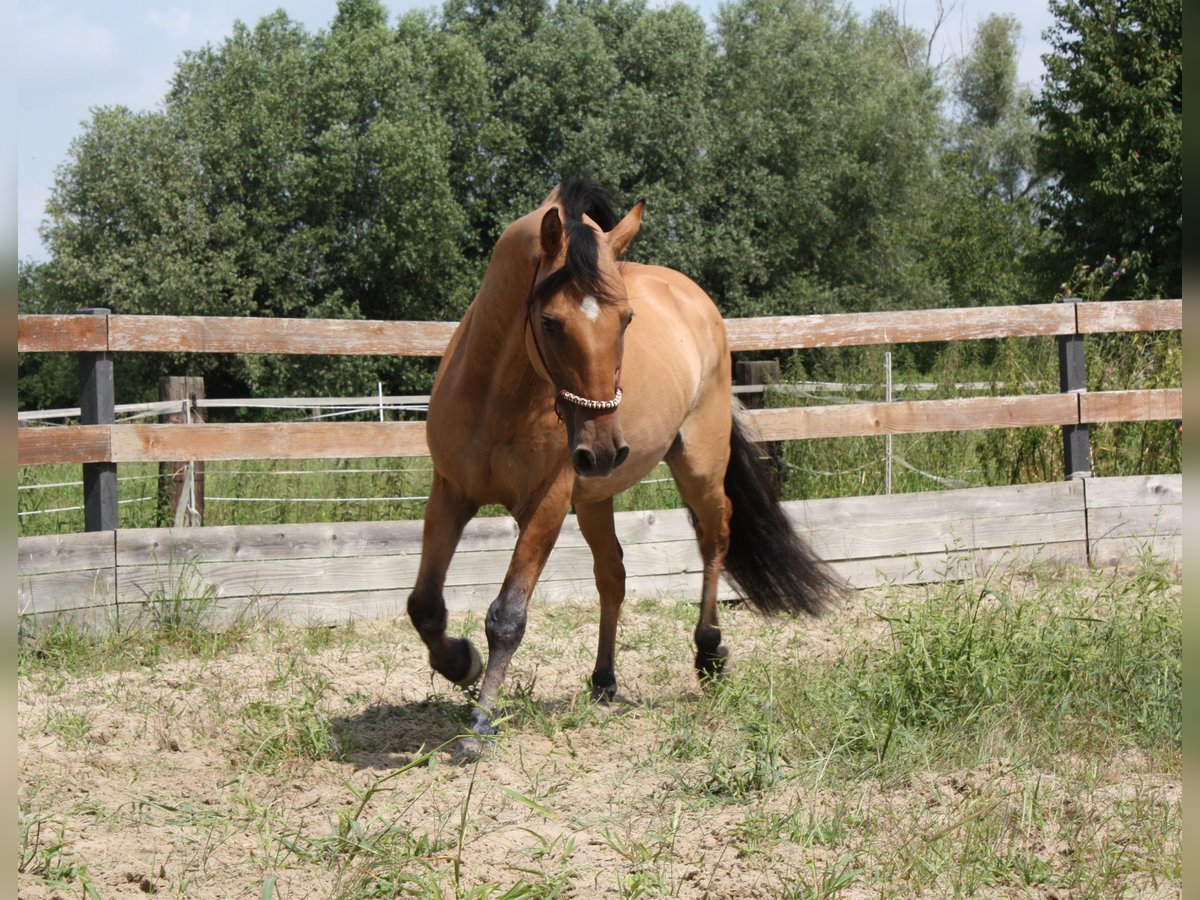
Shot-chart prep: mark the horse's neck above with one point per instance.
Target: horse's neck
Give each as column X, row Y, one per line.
column 495, row 338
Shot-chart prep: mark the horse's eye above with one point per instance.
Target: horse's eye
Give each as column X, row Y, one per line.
column 551, row 325
column 628, row 321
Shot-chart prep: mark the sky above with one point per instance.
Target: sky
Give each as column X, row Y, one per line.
column 73, row 56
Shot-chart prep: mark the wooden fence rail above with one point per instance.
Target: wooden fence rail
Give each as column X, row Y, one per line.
column 218, row 334
column 360, row 440
column 95, row 337
column 332, row 572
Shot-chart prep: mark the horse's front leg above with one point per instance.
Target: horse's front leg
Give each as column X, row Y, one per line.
column 446, row 515
column 539, row 521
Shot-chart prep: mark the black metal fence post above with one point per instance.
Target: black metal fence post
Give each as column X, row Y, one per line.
column 1072, row 378
column 96, row 407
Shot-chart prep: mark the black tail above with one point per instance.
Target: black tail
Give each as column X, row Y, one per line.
column 770, row 565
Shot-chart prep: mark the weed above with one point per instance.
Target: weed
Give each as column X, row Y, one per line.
column 48, row 857
column 272, row 733
column 72, row 727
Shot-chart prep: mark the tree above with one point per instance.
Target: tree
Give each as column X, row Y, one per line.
column 1111, row 114
column 795, row 159
column 820, row 165
column 984, row 236
column 286, row 175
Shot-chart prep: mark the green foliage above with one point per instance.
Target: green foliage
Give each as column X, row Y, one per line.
column 821, row 169
column 292, row 731
column 984, row 238
column 1111, row 111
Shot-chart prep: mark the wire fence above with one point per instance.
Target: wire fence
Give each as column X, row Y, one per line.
column 378, row 406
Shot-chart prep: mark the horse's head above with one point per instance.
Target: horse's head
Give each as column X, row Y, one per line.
column 578, row 311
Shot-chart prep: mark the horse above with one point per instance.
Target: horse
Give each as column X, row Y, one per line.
column 571, row 375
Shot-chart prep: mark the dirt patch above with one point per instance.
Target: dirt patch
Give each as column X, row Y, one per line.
column 316, row 764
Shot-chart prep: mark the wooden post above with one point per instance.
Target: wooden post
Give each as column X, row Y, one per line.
column 181, row 484
column 1072, row 378
column 96, row 407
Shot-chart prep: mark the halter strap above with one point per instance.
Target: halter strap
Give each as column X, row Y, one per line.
column 561, row 393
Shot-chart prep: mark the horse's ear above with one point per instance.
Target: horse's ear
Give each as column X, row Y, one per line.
column 625, row 230
column 551, row 233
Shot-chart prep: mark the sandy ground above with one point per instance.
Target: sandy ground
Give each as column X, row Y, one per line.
column 150, row 780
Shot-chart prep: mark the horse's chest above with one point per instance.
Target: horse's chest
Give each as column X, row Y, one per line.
column 498, row 464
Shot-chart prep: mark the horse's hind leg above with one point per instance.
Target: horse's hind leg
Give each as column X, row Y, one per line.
column 700, row 479
column 446, row 515
column 596, row 524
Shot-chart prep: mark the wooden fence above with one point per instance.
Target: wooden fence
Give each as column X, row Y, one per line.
column 332, row 571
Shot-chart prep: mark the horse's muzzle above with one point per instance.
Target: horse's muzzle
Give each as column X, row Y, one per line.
column 588, row 465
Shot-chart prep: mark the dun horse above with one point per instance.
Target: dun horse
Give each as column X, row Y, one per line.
column 569, row 378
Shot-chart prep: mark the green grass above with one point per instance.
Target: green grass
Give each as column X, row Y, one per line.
column 969, row 670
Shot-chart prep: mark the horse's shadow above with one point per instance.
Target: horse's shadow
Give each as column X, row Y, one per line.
column 392, row 736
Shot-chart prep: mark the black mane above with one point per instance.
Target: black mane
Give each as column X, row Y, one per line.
column 579, row 196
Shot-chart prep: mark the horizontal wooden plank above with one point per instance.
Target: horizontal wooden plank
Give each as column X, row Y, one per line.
column 280, row 440
column 236, row 334
column 857, row 329
column 231, row 543
column 869, row 540
column 341, row 606
column 1130, row 315
column 356, row 440
column 71, row 444
column 1114, row 551
column 901, row 509
column 43, row 554
column 90, row 591
column 571, row 564
column 914, row 416
column 1131, row 406
column 59, row 333
column 902, row 538
column 1134, row 490
column 1136, row 521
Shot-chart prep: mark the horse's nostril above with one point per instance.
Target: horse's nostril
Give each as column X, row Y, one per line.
column 584, row 461
column 622, row 455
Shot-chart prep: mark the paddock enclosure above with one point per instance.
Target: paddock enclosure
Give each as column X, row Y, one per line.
column 331, row 572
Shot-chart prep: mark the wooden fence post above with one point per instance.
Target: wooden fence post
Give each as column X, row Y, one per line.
column 181, row 484
column 1072, row 378
column 97, row 407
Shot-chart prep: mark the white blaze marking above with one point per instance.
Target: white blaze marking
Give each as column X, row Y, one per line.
column 590, row 308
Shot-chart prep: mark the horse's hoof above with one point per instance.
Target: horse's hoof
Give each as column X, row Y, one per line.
column 710, row 664
column 475, row 669
column 468, row 750
column 604, row 687
column 472, row 668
